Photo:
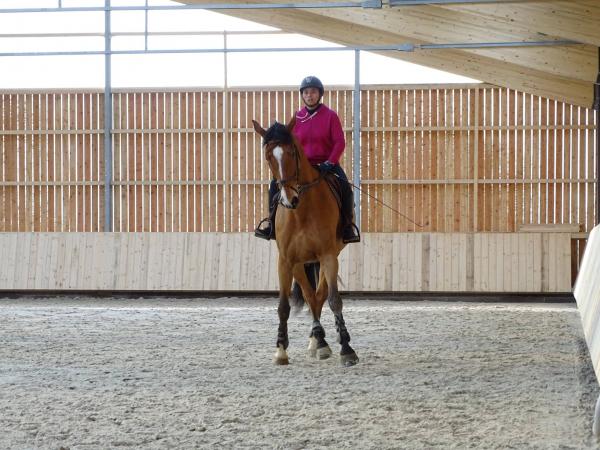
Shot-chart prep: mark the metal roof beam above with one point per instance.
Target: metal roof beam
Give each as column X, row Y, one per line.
column 369, row 48
column 374, row 4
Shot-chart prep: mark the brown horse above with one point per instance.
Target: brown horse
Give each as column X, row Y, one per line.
column 308, row 229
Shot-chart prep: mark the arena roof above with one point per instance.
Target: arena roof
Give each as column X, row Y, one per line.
column 562, row 72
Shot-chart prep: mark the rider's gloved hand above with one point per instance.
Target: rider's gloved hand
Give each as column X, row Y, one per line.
column 326, row 167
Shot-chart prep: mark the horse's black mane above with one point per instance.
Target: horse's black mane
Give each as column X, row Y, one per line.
column 278, row 133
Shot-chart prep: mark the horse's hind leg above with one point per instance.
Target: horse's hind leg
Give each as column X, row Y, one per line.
column 329, row 268
column 283, row 310
column 317, row 345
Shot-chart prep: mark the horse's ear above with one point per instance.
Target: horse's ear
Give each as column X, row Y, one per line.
column 291, row 123
column 260, row 130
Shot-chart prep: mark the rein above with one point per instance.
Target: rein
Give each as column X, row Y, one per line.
column 386, row 205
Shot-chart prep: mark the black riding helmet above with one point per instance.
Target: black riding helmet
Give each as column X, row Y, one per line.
column 312, row 81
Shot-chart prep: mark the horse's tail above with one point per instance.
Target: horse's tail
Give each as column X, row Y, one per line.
column 296, row 299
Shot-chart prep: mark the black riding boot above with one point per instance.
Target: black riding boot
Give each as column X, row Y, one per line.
column 350, row 231
column 267, row 231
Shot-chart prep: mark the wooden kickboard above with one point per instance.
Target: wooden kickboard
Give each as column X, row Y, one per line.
column 587, row 295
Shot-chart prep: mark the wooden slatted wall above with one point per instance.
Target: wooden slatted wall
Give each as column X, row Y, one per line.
column 448, row 159
column 489, row 159
column 52, row 161
column 393, row 262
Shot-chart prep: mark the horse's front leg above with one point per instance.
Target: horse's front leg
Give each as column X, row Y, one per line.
column 283, row 310
column 347, row 354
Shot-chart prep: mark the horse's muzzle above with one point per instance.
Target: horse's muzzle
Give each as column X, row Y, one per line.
column 290, row 204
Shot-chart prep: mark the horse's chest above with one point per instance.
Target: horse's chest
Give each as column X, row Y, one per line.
column 299, row 250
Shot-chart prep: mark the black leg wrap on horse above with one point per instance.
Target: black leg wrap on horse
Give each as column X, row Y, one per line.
column 318, row 332
column 283, row 311
column 340, row 326
column 282, row 338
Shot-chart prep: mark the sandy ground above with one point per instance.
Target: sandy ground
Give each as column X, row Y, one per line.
column 84, row 373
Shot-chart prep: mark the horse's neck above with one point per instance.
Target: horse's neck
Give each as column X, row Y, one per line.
column 307, row 173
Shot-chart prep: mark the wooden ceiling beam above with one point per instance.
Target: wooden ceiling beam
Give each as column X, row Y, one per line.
column 577, row 20
column 436, row 25
column 472, row 64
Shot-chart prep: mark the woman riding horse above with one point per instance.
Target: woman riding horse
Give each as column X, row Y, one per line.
column 307, row 232
column 319, row 131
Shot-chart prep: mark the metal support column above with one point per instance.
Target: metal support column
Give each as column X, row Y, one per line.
column 108, row 118
column 356, row 140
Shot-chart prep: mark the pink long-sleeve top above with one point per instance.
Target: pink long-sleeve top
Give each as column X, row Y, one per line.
column 320, row 134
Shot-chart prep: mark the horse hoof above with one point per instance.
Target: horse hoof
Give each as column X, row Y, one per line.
column 312, row 347
column 323, row 352
column 281, row 357
column 349, row 360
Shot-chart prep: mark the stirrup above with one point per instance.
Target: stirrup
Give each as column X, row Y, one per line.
column 266, row 232
column 349, row 239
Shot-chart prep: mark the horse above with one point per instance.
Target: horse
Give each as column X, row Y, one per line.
column 308, row 230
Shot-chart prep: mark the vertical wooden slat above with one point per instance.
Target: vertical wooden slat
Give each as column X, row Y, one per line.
column 434, row 160
column 551, row 149
column 159, row 161
column 94, row 174
column 21, row 199
column 138, row 161
column 543, row 162
column 559, row 162
column 463, row 219
column 496, row 191
column 207, row 204
column 175, row 169
column 442, row 160
column 220, row 165
column 187, row 163
column 79, row 163
column 169, row 164
column 85, row 156
column 364, row 162
column 571, row 164
column 370, row 158
column 409, row 210
column 527, row 158
column 71, row 164
column 10, row 159
column 401, row 204
column 417, row 215
column 378, row 153
column 591, row 153
column 519, row 161
column 236, row 161
column 536, row 171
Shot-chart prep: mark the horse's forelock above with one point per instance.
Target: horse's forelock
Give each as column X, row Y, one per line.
column 278, row 133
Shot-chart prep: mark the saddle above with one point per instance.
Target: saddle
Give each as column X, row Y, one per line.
column 335, row 186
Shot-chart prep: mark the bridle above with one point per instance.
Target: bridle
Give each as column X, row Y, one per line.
column 298, row 188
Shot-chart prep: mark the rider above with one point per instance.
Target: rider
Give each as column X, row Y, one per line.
column 319, row 131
